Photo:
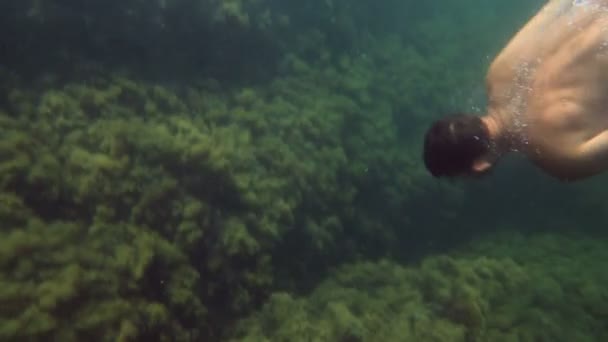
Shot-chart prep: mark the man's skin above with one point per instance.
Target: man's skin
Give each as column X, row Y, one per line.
column 548, row 91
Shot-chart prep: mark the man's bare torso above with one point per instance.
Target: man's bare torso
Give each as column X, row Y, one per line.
column 549, row 85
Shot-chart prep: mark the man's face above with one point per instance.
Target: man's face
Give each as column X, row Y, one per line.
column 483, row 166
column 477, row 173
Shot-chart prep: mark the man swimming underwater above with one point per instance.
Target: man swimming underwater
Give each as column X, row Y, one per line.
column 547, row 98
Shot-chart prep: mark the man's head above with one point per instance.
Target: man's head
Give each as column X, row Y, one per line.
column 458, row 145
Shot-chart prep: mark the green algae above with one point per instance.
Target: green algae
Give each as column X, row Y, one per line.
column 496, row 289
column 195, row 197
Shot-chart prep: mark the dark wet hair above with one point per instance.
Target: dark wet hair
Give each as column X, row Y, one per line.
column 453, row 143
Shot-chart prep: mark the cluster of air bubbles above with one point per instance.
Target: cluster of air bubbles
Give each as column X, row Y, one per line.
column 603, row 49
column 519, row 96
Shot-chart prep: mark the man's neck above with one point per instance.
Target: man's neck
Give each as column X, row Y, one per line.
column 501, row 139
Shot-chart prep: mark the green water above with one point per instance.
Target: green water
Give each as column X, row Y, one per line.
column 250, row 170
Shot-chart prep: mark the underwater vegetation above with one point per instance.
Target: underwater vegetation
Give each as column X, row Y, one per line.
column 138, row 211
column 503, row 287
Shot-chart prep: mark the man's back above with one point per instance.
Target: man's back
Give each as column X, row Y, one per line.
column 549, row 86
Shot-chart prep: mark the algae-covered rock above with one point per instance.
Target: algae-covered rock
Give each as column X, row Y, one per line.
column 500, row 294
column 66, row 282
column 251, row 188
column 361, row 302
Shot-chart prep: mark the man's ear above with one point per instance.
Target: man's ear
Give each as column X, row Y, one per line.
column 481, row 165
